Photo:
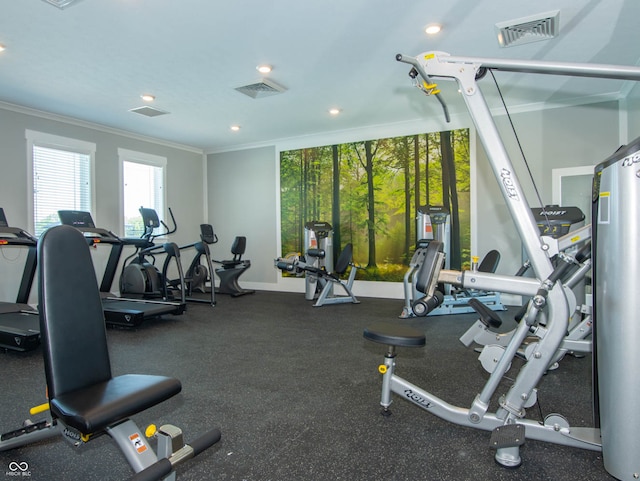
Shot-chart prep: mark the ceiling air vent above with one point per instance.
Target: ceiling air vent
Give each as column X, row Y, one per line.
column 262, row 88
column 528, row 29
column 148, row 111
column 61, row 3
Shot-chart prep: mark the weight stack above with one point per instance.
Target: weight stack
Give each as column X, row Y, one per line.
column 616, row 297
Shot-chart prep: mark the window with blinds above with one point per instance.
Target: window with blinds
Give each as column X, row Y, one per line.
column 142, row 186
column 62, row 180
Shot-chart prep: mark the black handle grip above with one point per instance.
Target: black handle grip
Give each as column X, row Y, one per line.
column 163, row 466
column 284, row 266
column 584, row 253
column 425, row 305
column 157, row 470
column 205, row 441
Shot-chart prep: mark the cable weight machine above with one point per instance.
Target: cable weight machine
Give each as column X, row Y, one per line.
column 616, row 231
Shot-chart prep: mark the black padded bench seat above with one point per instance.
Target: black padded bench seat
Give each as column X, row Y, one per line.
column 82, row 391
column 95, row 407
column 395, row 335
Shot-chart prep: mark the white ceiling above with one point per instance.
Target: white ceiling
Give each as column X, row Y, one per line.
column 93, row 60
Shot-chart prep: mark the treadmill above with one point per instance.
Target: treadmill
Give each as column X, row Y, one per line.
column 118, row 311
column 19, row 322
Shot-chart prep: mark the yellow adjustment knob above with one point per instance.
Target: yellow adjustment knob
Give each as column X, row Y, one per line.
column 85, row 438
column 150, row 431
column 39, row 409
column 475, row 259
column 382, row 369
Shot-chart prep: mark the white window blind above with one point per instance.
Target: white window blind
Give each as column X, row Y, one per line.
column 142, row 186
column 61, row 181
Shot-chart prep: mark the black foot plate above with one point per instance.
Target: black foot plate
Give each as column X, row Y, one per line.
column 507, row 436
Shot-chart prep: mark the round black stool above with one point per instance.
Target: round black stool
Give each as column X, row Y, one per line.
column 394, row 335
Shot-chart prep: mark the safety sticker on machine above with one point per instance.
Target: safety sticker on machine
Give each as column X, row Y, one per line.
column 138, row 443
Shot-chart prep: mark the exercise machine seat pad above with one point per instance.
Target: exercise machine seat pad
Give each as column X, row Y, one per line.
column 395, row 335
column 95, row 407
column 82, row 391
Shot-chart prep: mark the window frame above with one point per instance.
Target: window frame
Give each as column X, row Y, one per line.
column 126, row 155
column 41, row 139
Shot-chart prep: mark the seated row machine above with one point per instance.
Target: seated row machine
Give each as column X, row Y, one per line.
column 85, row 399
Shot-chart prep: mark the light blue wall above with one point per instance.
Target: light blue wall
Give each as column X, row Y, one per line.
column 242, row 202
column 185, row 185
column 185, row 188
column 243, row 184
column 238, row 191
column 554, row 138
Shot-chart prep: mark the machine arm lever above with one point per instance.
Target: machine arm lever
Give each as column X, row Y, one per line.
column 423, row 74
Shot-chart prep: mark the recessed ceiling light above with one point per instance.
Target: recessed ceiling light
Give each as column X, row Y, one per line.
column 235, row 128
column 148, row 97
column 264, row 68
column 334, row 111
column 433, row 28
column 2, row 48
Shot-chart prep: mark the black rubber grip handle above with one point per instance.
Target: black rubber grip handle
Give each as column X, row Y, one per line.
column 163, row 467
column 584, row 253
column 205, row 441
column 157, row 470
column 284, row 266
column 487, row 316
column 316, row 253
column 425, row 305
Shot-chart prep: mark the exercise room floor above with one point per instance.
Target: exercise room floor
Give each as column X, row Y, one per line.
column 295, row 391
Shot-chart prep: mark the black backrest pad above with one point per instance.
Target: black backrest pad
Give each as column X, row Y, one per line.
column 429, row 266
column 71, row 317
column 344, row 259
column 239, row 245
column 490, row 262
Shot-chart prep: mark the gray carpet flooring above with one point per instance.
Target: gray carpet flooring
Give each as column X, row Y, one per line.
column 295, row 391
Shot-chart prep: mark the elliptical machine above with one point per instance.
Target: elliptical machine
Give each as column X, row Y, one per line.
column 141, row 277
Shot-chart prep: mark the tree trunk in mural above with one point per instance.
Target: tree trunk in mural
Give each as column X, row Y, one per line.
column 367, row 164
column 370, row 191
column 335, row 204
column 416, row 182
column 303, row 211
column 426, row 171
column 407, row 199
column 450, row 196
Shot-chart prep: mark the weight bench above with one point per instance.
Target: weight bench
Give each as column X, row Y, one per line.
column 85, row 399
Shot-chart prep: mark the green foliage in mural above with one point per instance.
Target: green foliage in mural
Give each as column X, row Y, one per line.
column 370, row 192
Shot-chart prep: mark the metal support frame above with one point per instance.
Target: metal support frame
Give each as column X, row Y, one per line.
column 549, row 297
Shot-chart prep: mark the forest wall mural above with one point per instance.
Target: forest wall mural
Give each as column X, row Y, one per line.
column 370, row 191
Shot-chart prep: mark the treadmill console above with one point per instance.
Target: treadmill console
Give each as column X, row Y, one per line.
column 76, row 218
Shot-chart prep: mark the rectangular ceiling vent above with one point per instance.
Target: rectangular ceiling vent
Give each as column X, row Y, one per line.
column 262, row 88
column 61, row 3
column 148, row 111
column 528, row 29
